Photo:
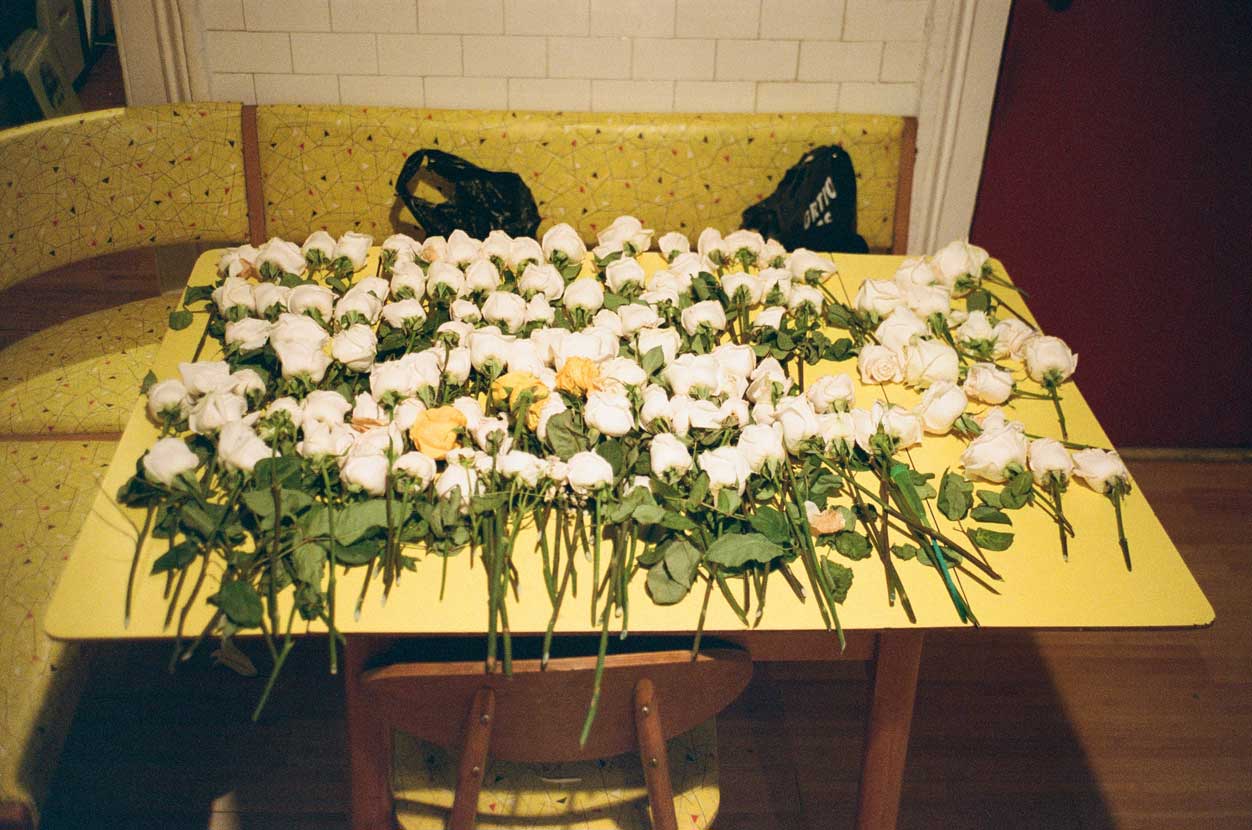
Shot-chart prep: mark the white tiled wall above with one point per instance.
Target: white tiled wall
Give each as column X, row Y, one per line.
column 641, row 55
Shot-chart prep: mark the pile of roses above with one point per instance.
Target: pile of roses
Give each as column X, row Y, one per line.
column 438, row 397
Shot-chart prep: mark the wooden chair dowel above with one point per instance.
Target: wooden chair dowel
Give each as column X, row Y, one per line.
column 473, row 763
column 653, row 757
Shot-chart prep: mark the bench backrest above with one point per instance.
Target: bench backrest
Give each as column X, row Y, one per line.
column 335, row 166
column 76, row 187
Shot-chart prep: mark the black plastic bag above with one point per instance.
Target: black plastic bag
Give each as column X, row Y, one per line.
column 813, row 207
column 478, row 201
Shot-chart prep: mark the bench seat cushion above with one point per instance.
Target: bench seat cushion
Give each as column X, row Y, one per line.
column 48, row 488
column 606, row 794
column 81, row 377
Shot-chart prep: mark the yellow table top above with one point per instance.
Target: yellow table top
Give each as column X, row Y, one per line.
column 1039, row 589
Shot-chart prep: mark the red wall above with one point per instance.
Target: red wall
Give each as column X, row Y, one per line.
column 1117, row 190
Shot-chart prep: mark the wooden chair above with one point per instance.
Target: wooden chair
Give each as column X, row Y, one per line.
column 535, row 717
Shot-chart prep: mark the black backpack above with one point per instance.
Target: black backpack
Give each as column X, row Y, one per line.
column 480, row 201
column 813, row 207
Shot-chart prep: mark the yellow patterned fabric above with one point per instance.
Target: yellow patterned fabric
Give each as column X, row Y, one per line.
column 76, row 187
column 81, row 376
column 335, row 166
column 588, row 795
column 48, row 487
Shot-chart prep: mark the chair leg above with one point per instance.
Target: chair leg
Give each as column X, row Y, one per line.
column 887, row 738
column 473, row 764
column 653, row 756
column 369, row 744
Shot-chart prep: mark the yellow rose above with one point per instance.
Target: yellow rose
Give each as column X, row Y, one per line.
column 512, row 385
column 434, row 431
column 578, row 376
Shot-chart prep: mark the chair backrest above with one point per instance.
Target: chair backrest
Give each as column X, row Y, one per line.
column 76, row 187
column 539, row 713
column 335, row 166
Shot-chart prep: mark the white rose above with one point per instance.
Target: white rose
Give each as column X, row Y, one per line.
column 236, row 261
column 523, row 250
column 282, row 255
column 1011, row 337
column 665, row 339
column 740, row 286
column 287, row 404
column 319, row 241
column 482, row 276
column 295, row 328
column 636, row 316
column 654, row 406
column 248, row 334
column 302, row 359
column 168, row 398
column 268, row 295
column 916, row 271
column 991, row 454
column 239, row 448
column 1048, row 359
column 667, row 280
column 837, row 430
column 398, row 314
column 708, row 313
column 522, row 466
column 457, row 479
column 446, row 275
column 1048, row 457
column 552, row 405
column 405, row 413
column 899, row 328
column 214, row 410
column 762, row 445
column 798, row 420
column 831, row 392
column 802, row 296
column 902, row 424
column 489, row 431
column 366, row 473
column 485, row 348
column 385, row 441
column 564, row 239
column 405, row 246
column 807, row 266
column 462, row 248
column 465, row 311
column 776, row 285
column 622, row 371
column 925, row 300
column 168, row 459
column 693, row 374
column 408, row 281
column 865, row 424
column 739, row 361
column 361, row 302
column 727, row 469
column 769, row 318
column 585, row 293
column 880, row 297
column 306, row 298
column 496, row 245
column 234, row 292
column 246, row 382
column 625, row 230
column 685, row 414
column 434, row 249
column 768, row 379
column 989, row 384
column 773, row 253
column 456, row 367
column 366, row 408
column 672, row 244
column 975, row 327
column 588, row 472
column 709, row 242
column 326, row 407
column 609, row 413
column 416, row 467
column 1100, row 469
column 543, row 280
column 878, row 364
column 355, row 347
column 940, row 406
column 669, row 456
column 957, row 259
column 506, row 309
column 400, row 378
column 622, row 273
column 539, row 310
column 742, row 240
column 930, row 361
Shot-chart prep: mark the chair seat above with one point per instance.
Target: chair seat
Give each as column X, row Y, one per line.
column 48, row 488
column 81, row 376
column 605, row 794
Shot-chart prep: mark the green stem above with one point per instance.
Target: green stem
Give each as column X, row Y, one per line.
column 134, row 562
column 704, row 610
column 1115, row 495
column 278, row 667
column 331, row 546
column 599, row 676
column 1060, row 415
column 1055, row 486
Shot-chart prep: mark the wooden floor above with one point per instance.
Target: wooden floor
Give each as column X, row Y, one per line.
column 1052, row 730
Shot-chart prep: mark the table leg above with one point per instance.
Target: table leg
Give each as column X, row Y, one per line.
column 887, row 737
column 369, row 742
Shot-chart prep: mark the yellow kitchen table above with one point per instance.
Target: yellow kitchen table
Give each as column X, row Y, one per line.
column 1037, row 589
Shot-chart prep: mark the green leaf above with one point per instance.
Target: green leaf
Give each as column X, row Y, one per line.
column 612, row 451
column 978, row 300
column 180, row 319
column 852, row 544
column 983, row 513
column 734, row 550
column 954, row 496
column 177, row 557
column 772, row 524
column 566, row 435
column 1017, row 492
column 649, row 514
column 677, row 521
column 840, row 579
column 282, row 469
column 620, row 512
column 991, row 539
column 728, row 501
column 361, row 518
column 309, row 561
column 241, row 604
column 197, row 293
column 905, row 552
column 989, row 497
column 653, row 360
column 665, row 590
column 148, row 380
column 360, row 553
column 261, row 502
column 681, row 558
